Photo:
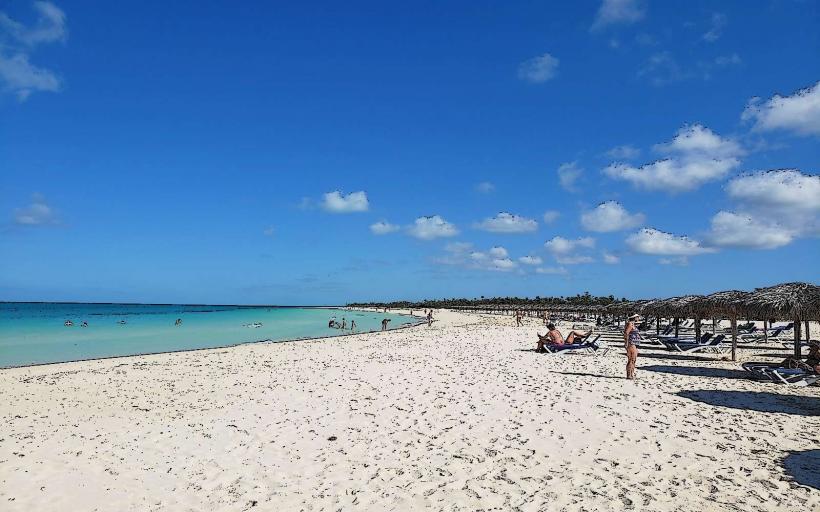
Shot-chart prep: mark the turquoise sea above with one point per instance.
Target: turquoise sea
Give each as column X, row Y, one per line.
column 35, row 333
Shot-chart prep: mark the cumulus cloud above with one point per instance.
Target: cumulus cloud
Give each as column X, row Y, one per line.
column 781, row 190
column 428, row 228
column 383, row 228
column 652, row 241
column 17, row 42
column 773, row 208
column 625, row 152
column 618, row 12
column 462, row 254
column 695, row 156
column 551, row 216
column 662, row 68
column 569, row 252
column 538, row 69
column 485, row 187
column 336, row 202
column 531, row 260
column 611, row 259
column 37, row 213
column 610, row 216
column 798, row 113
column 730, row 229
column 498, row 252
column 507, row 223
column 568, row 174
column 269, row 231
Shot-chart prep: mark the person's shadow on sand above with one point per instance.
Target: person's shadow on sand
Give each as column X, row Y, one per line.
column 697, row 371
column 756, row 401
column 804, row 467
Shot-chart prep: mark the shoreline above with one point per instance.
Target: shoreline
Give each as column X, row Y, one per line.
column 221, row 347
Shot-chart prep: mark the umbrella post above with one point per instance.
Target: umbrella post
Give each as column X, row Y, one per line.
column 677, row 326
column 714, row 326
column 797, row 353
column 697, row 329
column 765, row 331
column 734, row 338
column 808, row 335
column 657, row 325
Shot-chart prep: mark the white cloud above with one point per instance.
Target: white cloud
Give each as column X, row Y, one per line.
column 695, row 156
column 781, row 190
column 485, row 187
column 38, row 213
column 614, row 12
column 17, row 41
column 336, row 202
column 531, row 260
column 568, row 174
column 498, row 252
column 561, row 245
column 680, row 261
column 269, row 231
column 458, row 247
column 731, row 229
column 461, row 254
column 551, row 216
column 716, row 26
column 799, row 113
column 652, row 241
column 610, row 216
column 625, row 152
column 428, row 228
column 538, row 69
column 773, row 209
column 551, row 270
column 503, row 264
column 568, row 252
column 611, row 259
column 507, row 223
column 383, row 228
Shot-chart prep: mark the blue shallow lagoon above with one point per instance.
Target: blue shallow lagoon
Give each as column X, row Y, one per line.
column 34, row 333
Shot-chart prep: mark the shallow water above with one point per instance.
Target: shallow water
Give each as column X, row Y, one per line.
column 34, row 333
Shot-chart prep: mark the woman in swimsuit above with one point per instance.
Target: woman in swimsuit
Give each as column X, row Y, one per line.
column 632, row 338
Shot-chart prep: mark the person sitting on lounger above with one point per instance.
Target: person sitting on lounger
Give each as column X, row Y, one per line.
column 812, row 361
column 554, row 337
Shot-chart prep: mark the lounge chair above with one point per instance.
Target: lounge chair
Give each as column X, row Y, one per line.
column 714, row 345
column 591, row 346
column 777, row 334
column 794, row 377
column 670, row 341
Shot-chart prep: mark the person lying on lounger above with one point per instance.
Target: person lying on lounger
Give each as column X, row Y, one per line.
column 554, row 337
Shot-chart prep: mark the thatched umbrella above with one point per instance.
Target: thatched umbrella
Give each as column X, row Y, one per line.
column 793, row 301
column 730, row 303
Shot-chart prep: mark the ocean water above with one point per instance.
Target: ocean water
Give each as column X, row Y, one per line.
column 34, row 333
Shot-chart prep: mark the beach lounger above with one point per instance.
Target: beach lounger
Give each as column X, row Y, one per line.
column 593, row 346
column 714, row 345
column 794, row 377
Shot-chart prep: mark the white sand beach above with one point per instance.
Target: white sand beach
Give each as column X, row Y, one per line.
column 462, row 415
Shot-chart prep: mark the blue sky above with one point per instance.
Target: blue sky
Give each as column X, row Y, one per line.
column 324, row 153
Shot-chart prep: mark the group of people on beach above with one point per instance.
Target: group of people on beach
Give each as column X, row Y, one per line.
column 553, row 337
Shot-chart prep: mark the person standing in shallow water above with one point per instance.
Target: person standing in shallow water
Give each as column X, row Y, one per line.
column 384, row 324
column 632, row 338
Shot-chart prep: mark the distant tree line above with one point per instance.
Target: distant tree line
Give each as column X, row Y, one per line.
column 581, row 299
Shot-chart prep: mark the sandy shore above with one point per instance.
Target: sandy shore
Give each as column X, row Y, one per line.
column 459, row 416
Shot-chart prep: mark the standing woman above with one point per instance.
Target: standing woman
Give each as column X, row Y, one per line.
column 632, row 338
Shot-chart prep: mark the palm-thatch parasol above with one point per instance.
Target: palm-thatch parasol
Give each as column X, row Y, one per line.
column 793, row 301
column 730, row 303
